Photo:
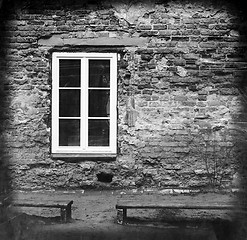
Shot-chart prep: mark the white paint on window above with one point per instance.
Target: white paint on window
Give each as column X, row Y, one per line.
column 84, row 103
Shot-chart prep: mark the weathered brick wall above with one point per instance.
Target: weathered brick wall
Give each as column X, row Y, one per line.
column 178, row 91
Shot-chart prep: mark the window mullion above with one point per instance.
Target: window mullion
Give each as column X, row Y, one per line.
column 84, row 100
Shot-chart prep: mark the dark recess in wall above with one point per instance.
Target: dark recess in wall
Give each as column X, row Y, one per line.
column 104, row 177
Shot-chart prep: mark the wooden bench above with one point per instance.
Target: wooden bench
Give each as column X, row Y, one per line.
column 124, row 205
column 65, row 207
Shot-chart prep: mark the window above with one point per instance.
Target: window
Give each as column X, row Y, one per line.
column 84, row 102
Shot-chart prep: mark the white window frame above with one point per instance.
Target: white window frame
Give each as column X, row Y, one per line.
column 84, row 150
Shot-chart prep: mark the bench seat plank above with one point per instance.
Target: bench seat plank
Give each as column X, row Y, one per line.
column 29, row 204
column 132, row 205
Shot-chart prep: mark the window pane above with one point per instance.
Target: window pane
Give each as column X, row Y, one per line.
column 69, row 103
column 99, row 73
column 69, row 72
column 69, row 132
column 99, row 103
column 98, row 132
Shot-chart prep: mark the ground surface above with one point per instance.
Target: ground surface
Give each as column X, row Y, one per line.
column 94, row 216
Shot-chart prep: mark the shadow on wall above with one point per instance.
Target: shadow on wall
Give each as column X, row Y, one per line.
column 6, row 231
column 239, row 227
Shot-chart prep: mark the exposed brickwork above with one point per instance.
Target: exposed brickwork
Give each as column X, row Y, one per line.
column 181, row 64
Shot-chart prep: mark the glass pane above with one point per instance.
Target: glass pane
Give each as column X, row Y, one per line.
column 69, row 132
column 98, row 132
column 99, row 73
column 69, row 72
column 99, row 103
column 69, row 103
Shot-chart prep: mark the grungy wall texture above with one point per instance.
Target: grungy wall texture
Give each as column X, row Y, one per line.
column 179, row 91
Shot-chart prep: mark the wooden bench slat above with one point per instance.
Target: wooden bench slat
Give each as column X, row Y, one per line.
column 172, row 206
column 38, row 205
column 26, row 204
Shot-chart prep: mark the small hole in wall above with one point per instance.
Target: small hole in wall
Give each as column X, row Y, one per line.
column 104, row 177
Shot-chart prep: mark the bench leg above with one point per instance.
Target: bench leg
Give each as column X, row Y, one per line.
column 121, row 216
column 65, row 214
column 68, row 212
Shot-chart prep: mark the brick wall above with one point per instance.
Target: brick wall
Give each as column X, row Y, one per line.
column 180, row 101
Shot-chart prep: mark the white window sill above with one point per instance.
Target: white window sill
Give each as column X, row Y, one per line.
column 83, row 155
